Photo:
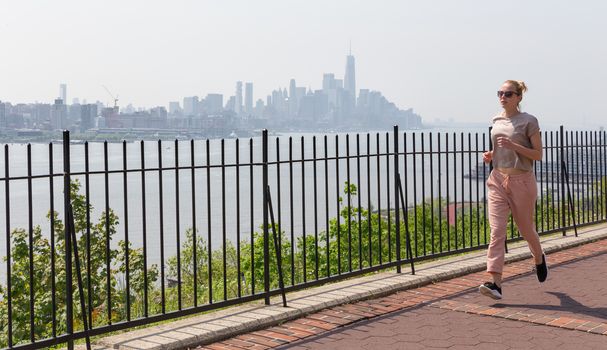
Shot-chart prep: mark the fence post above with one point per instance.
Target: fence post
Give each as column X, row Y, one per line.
column 563, row 199
column 396, row 201
column 266, row 236
column 69, row 312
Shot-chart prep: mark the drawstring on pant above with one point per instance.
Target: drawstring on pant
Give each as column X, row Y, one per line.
column 506, row 183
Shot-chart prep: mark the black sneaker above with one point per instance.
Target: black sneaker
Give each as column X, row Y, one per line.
column 542, row 270
column 491, row 290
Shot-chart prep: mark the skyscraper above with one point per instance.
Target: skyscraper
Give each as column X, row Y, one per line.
column 328, row 81
column 292, row 98
column 63, row 93
column 59, row 115
column 248, row 98
column 174, row 108
column 88, row 113
column 350, row 77
column 190, row 106
column 214, row 103
column 238, row 101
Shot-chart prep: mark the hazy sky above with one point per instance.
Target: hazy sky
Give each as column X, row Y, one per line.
column 445, row 59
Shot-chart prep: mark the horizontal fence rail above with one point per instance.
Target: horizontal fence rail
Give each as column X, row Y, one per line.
column 167, row 229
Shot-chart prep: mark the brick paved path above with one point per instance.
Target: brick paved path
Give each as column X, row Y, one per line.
column 569, row 311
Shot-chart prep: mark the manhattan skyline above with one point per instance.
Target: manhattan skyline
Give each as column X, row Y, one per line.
column 445, row 60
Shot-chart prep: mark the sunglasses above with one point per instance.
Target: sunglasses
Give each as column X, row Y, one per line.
column 507, row 94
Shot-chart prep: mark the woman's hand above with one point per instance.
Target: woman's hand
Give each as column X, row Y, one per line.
column 503, row 141
column 534, row 153
column 487, row 156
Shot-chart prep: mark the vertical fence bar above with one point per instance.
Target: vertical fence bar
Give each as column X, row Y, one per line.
column 9, row 301
column 314, row 161
column 478, row 212
column 555, row 208
column 542, row 174
column 69, row 311
column 447, row 191
column 30, row 231
column 237, row 186
column 87, row 189
column 292, row 223
column 279, row 195
column 369, row 223
column 303, row 209
column 380, row 255
column 209, row 223
column 587, row 160
column 470, row 188
column 266, row 236
column 52, row 208
column 360, row 237
column 414, row 157
column 596, row 185
column 455, row 190
column 161, row 213
column 405, row 202
column 177, row 226
column 423, row 199
column 337, row 204
column 195, row 229
column 440, row 194
column 603, row 183
column 558, row 175
column 349, row 196
column 388, row 196
column 327, row 236
column 126, row 231
column 223, row 220
column 577, row 173
column 563, row 200
column 431, row 157
column 108, row 286
column 144, row 227
column 396, row 201
column 463, row 188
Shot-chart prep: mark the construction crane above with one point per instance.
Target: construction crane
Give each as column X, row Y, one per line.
column 114, row 98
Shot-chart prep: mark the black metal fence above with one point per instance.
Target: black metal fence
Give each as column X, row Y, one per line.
column 150, row 231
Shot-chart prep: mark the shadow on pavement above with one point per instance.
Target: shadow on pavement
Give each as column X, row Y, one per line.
column 567, row 304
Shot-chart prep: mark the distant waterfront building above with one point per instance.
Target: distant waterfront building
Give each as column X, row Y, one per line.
column 238, row 101
column 63, row 92
column 230, row 105
column 174, row 108
column 88, row 114
column 293, row 107
column 190, row 105
column 248, row 98
column 259, row 107
column 328, row 81
column 59, row 115
column 42, row 116
column 350, row 76
column 214, row 103
column 363, row 98
column 73, row 113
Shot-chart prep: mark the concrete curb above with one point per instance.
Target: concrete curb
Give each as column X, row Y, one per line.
column 227, row 323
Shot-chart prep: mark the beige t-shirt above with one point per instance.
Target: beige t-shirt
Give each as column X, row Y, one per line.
column 519, row 129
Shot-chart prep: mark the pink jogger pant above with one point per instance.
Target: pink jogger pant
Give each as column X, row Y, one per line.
column 516, row 193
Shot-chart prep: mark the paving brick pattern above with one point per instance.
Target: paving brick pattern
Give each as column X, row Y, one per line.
column 451, row 314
